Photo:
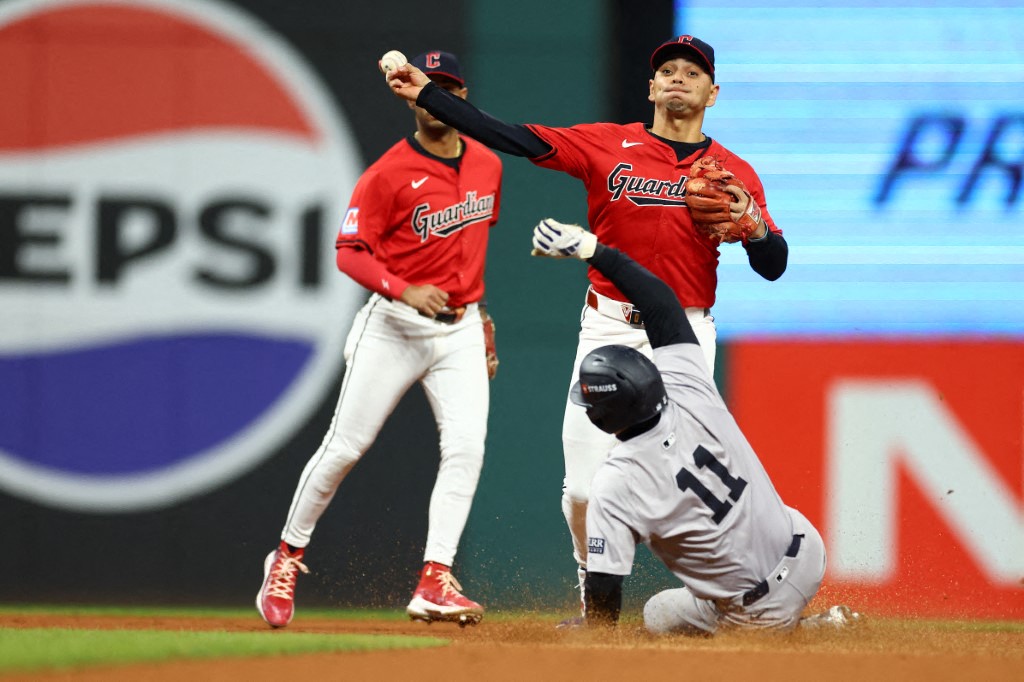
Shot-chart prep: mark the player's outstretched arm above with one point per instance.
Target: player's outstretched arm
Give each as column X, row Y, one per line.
column 411, row 84
column 664, row 318
column 463, row 116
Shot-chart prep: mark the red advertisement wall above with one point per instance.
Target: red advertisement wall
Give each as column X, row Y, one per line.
column 908, row 456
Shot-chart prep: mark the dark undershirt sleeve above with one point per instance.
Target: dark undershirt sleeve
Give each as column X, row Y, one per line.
column 482, row 127
column 603, row 595
column 664, row 318
column 768, row 257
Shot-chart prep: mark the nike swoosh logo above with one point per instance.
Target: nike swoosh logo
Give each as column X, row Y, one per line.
column 417, row 183
column 627, row 145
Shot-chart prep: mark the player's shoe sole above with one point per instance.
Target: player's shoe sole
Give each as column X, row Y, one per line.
column 463, row 619
column 837, row 617
column 574, row 623
column 422, row 610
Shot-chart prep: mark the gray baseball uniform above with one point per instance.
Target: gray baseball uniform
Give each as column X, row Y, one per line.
column 694, row 492
column 692, row 489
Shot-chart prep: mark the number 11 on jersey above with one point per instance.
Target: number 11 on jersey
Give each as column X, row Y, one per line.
column 687, row 481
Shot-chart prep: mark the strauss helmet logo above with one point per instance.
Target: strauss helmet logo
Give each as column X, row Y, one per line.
column 170, row 181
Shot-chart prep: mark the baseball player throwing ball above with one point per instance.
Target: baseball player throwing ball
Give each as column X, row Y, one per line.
column 683, row 479
column 415, row 235
column 664, row 192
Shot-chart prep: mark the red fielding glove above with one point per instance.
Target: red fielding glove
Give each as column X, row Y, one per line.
column 709, row 202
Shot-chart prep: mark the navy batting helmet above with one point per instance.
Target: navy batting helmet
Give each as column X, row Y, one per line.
column 620, row 387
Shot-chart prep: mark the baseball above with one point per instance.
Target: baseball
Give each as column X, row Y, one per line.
column 391, row 60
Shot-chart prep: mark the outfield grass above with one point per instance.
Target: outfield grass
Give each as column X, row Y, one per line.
column 196, row 611
column 28, row 649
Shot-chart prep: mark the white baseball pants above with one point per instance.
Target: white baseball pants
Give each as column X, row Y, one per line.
column 584, row 445
column 791, row 586
column 390, row 347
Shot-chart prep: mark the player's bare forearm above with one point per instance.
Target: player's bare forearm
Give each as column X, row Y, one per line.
column 664, row 317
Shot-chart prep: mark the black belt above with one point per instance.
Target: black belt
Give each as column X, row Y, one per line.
column 450, row 316
column 761, row 589
column 444, row 316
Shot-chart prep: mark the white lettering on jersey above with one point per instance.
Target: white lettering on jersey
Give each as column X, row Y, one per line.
column 643, row 191
column 453, row 218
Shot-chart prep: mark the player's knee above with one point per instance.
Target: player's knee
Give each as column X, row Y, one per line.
column 576, row 493
column 464, row 453
column 582, row 460
column 658, row 616
column 574, row 510
column 468, row 441
column 667, row 613
column 341, row 453
column 578, row 477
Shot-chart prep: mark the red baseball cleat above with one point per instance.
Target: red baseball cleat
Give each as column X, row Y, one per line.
column 439, row 597
column 276, row 599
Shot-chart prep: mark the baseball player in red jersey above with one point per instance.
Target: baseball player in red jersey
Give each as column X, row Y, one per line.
column 415, row 234
column 635, row 176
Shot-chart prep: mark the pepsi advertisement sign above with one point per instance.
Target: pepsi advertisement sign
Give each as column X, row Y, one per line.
column 890, row 140
column 172, row 175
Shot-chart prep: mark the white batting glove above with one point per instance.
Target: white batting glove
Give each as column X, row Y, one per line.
column 560, row 240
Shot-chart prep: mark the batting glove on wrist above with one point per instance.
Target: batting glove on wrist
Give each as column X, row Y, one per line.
column 560, row 240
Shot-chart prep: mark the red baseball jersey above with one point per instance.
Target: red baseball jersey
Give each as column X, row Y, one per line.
column 426, row 221
column 636, row 202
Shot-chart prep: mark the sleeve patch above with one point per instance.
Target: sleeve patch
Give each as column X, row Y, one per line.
column 350, row 225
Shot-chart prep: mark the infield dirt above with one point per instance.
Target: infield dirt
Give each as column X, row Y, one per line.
column 531, row 649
